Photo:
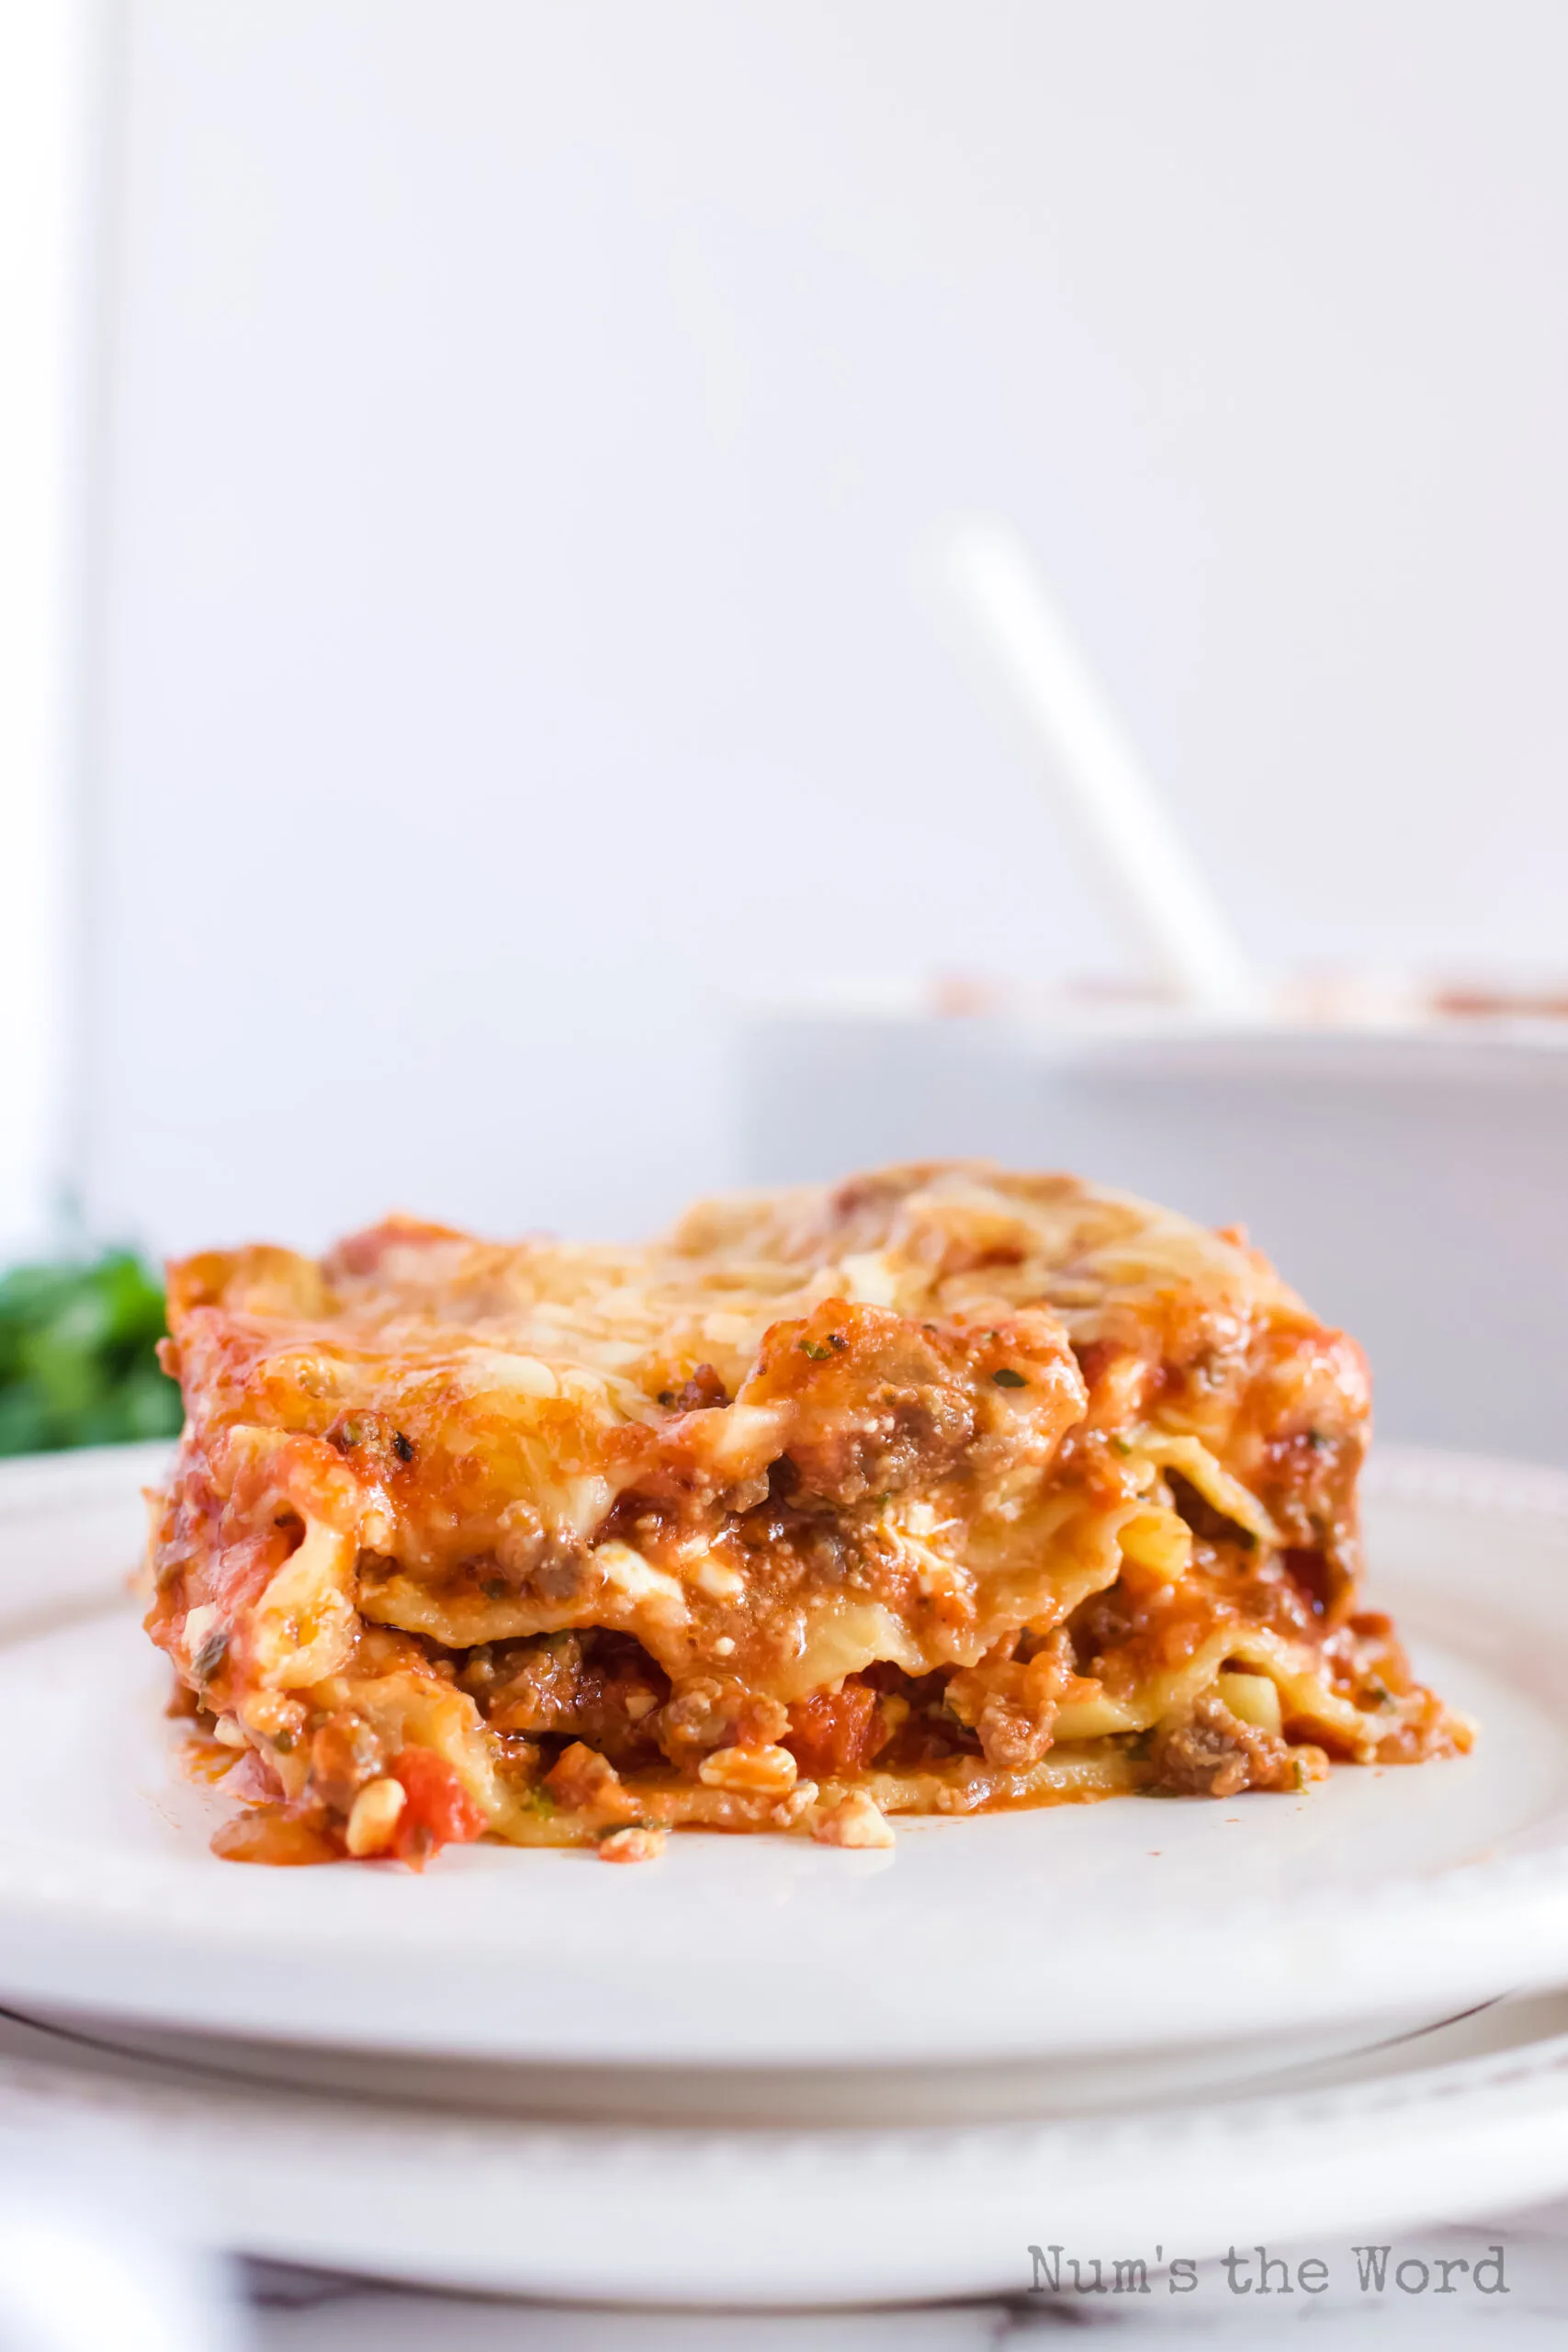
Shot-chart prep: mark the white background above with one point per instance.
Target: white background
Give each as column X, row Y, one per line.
column 527, row 418
column 50, row 81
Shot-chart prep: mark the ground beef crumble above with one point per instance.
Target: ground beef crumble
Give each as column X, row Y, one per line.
column 1212, row 1753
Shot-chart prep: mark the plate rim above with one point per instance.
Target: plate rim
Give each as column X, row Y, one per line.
column 1377, row 2155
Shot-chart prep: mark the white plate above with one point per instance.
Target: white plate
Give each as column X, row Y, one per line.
column 1079, row 1930
column 1070, row 2083
column 1472, row 2115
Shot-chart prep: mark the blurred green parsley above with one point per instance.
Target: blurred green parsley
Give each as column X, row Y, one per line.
column 77, row 1365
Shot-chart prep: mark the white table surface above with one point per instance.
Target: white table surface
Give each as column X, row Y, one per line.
column 303, row 2312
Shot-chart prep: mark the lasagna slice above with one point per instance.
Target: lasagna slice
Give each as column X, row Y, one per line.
column 940, row 1490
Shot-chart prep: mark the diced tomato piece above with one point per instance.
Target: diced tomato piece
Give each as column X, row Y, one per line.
column 439, row 1811
column 834, row 1732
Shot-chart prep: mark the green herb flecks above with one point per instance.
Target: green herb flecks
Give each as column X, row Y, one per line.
column 1006, row 1377
column 209, row 1657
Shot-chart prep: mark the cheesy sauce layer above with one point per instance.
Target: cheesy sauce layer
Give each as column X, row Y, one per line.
column 941, row 1489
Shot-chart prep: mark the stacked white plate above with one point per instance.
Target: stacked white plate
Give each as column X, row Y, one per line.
column 764, row 2070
